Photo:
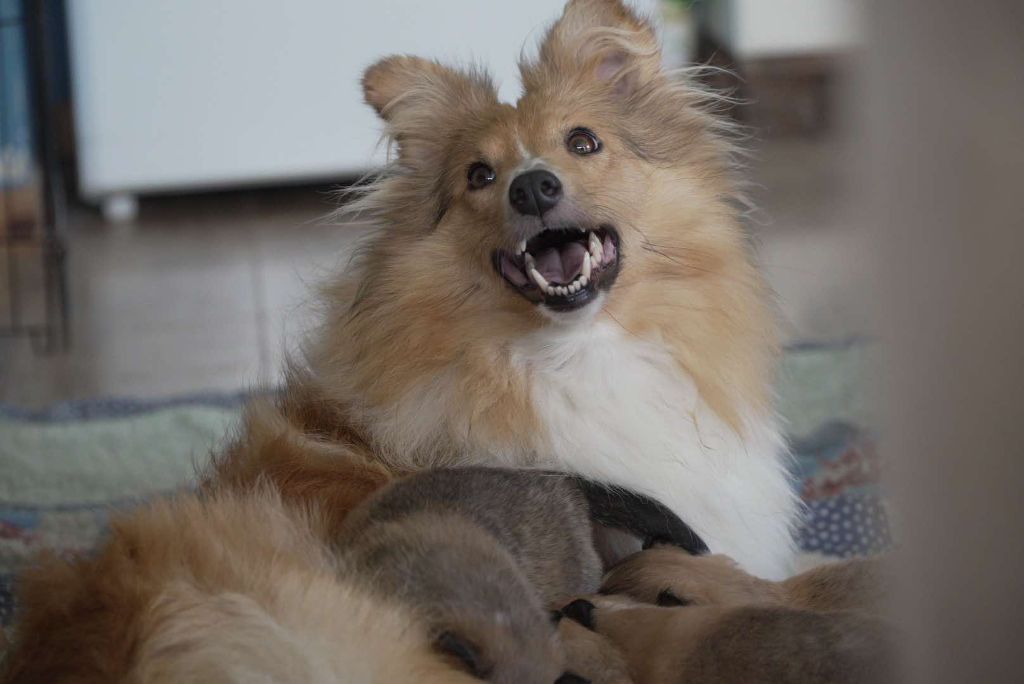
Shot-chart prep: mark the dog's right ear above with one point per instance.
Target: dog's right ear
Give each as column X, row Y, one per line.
column 401, row 87
column 425, row 104
column 393, row 77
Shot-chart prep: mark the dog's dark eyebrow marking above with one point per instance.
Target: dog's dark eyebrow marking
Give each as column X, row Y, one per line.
column 443, row 205
column 443, row 199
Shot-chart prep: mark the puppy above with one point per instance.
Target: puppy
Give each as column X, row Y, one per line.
column 664, row 576
column 481, row 553
column 672, row 617
column 719, row 644
column 563, row 282
column 233, row 588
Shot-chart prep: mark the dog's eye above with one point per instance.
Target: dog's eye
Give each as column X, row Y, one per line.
column 480, row 175
column 582, row 141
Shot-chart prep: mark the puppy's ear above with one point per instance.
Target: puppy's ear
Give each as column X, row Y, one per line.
column 600, row 40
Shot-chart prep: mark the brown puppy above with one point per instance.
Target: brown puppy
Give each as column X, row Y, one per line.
column 736, row 645
column 665, row 576
column 715, row 623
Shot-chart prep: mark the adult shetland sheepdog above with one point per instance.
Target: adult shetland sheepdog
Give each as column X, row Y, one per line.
column 563, row 283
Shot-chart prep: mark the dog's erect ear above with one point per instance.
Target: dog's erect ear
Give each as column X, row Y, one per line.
column 603, row 40
column 425, row 105
column 399, row 77
column 417, row 96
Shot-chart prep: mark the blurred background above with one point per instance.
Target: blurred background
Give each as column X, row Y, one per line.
column 167, row 167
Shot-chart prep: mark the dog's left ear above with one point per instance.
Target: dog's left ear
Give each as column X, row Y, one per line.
column 600, row 40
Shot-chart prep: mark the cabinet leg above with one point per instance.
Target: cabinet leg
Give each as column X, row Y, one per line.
column 120, row 208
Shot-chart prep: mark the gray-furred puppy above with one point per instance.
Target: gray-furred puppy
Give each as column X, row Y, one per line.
column 481, row 554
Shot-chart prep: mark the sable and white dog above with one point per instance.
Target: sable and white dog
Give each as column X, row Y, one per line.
column 563, row 283
column 560, row 284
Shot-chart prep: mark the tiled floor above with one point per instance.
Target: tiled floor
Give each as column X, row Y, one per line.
column 207, row 292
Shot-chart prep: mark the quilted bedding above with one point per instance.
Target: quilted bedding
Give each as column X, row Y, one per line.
column 64, row 469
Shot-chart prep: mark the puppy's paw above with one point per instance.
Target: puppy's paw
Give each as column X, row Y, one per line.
column 581, row 611
column 591, row 655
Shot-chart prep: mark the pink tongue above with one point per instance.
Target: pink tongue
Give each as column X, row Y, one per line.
column 561, row 265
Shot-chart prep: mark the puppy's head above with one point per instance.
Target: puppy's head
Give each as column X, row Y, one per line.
column 669, row 577
column 588, row 181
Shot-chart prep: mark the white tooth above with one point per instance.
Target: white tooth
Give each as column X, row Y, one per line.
column 538, row 278
column 529, row 260
column 586, row 265
column 583, row 281
column 522, row 247
column 595, row 249
column 552, row 290
column 574, row 288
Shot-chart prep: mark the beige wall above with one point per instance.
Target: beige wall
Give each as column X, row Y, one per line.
column 943, row 183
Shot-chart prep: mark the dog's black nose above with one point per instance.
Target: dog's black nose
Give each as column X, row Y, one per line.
column 534, row 192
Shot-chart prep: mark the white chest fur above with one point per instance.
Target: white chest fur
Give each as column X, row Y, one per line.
column 619, row 409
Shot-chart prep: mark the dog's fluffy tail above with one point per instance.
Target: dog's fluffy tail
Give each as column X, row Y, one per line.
column 298, row 444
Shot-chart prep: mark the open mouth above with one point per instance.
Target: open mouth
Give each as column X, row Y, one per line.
column 562, row 268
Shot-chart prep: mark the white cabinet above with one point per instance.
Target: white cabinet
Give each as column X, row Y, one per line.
column 195, row 94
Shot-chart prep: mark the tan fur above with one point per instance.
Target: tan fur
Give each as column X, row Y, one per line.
column 688, row 280
column 423, row 309
column 862, row 584
column 859, row 584
column 234, row 588
column 721, row 644
column 592, row 655
column 303, row 449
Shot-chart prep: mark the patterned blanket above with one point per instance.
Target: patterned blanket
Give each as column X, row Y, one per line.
column 66, row 468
